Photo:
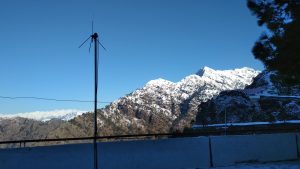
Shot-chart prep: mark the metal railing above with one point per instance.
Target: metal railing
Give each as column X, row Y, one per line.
column 206, row 131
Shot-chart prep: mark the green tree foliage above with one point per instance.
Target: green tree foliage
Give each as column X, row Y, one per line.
column 279, row 47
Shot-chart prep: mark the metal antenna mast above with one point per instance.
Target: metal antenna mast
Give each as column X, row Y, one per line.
column 95, row 40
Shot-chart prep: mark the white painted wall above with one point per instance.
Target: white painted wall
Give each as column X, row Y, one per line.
column 229, row 150
column 176, row 153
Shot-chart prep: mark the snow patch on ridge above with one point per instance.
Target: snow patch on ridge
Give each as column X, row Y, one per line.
column 63, row 114
column 159, row 82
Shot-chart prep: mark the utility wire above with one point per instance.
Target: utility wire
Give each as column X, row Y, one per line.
column 50, row 99
column 76, row 100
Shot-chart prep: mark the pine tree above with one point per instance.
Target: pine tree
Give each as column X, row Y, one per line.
column 279, row 47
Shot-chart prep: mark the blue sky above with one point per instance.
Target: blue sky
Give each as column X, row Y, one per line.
column 146, row 40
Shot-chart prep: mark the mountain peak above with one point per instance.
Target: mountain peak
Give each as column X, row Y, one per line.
column 205, row 70
column 159, row 82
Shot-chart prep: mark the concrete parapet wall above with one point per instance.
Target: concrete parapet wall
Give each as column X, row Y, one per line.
column 77, row 156
column 229, row 150
column 157, row 154
column 174, row 153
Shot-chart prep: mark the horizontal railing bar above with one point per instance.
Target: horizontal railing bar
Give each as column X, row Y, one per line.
column 219, row 131
column 46, row 140
column 84, row 138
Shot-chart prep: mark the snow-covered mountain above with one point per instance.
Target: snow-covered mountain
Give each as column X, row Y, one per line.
column 63, row 114
column 268, row 83
column 262, row 85
column 162, row 104
column 266, row 99
column 159, row 95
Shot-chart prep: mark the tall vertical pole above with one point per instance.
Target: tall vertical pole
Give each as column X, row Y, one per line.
column 225, row 121
column 95, row 39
